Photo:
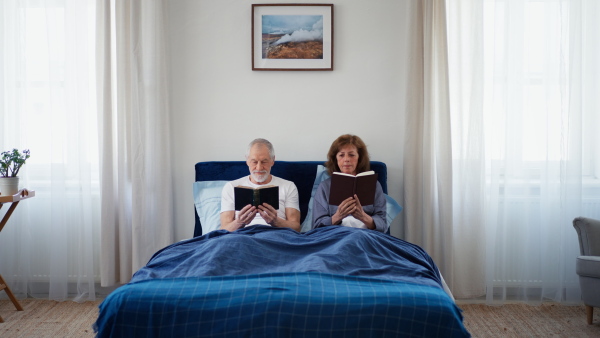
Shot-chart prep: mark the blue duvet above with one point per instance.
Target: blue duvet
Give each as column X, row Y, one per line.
column 264, row 249
column 263, row 281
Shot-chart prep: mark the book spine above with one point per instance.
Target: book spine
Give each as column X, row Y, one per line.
column 256, row 198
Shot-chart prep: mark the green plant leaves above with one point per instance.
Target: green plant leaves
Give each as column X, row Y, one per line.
column 12, row 161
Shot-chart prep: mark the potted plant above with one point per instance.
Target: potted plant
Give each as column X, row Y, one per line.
column 10, row 164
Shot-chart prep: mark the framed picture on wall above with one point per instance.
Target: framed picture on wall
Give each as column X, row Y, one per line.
column 292, row 37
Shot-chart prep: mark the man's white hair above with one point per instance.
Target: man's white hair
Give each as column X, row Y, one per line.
column 263, row 142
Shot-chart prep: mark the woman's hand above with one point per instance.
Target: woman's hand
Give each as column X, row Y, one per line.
column 347, row 207
column 362, row 216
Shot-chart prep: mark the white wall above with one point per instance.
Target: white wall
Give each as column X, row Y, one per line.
column 219, row 104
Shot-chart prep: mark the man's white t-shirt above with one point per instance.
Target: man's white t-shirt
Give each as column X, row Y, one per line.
column 288, row 196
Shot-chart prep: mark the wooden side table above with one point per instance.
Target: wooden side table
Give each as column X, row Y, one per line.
column 14, row 201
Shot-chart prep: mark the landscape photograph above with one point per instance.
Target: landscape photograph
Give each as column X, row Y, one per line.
column 292, row 37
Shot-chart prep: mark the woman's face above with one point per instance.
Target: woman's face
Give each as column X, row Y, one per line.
column 347, row 159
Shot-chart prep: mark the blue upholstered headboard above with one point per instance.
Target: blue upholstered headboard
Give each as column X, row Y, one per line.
column 302, row 173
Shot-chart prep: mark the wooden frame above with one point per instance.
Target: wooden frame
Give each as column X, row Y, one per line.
column 14, row 201
column 296, row 37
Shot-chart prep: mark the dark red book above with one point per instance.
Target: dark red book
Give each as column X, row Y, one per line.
column 346, row 185
column 256, row 196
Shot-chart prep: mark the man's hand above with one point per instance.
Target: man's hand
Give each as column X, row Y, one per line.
column 268, row 213
column 245, row 216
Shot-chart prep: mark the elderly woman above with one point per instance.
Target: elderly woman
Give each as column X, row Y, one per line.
column 348, row 154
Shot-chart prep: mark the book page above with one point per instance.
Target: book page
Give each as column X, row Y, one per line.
column 370, row 172
column 340, row 173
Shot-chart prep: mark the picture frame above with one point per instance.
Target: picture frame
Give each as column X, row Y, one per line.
column 292, row 37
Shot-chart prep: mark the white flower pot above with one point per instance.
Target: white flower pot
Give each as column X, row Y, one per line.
column 9, row 185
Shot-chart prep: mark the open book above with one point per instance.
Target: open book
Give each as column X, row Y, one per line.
column 346, row 185
column 256, row 196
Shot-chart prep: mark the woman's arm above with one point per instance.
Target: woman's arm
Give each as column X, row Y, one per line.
column 379, row 213
column 320, row 212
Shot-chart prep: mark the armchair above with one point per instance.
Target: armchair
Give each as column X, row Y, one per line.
column 588, row 264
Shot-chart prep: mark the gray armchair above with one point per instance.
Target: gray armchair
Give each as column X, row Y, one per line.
column 588, row 264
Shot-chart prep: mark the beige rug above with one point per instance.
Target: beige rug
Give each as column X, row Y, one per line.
column 48, row 318
column 520, row 320
column 45, row 318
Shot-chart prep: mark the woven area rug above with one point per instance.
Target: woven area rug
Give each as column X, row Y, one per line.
column 521, row 320
column 46, row 318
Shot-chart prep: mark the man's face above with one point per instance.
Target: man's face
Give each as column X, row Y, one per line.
column 260, row 162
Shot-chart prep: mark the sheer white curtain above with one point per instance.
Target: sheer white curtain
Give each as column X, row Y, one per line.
column 50, row 246
column 77, row 76
column 137, row 214
column 525, row 109
column 427, row 160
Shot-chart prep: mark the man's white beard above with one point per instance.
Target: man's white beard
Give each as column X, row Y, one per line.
column 260, row 176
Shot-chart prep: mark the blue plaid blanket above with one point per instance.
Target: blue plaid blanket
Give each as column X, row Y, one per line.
column 262, row 281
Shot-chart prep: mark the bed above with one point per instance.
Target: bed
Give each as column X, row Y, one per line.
column 274, row 282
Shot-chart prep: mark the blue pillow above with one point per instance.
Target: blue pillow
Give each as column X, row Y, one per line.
column 207, row 199
column 392, row 207
column 322, row 175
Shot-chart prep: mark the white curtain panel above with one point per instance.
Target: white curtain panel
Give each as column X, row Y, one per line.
column 50, row 246
column 525, row 111
column 137, row 212
column 465, row 55
column 427, row 162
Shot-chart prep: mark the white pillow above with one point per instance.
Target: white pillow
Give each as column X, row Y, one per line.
column 207, row 199
column 392, row 207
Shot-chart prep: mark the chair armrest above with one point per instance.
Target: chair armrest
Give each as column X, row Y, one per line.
column 588, row 230
column 588, row 266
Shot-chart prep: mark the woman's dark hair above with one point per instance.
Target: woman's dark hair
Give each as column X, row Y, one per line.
column 342, row 141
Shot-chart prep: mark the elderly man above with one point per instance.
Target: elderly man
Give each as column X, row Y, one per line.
column 260, row 157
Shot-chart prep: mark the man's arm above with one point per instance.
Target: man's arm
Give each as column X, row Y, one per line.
column 269, row 214
column 292, row 221
column 228, row 221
